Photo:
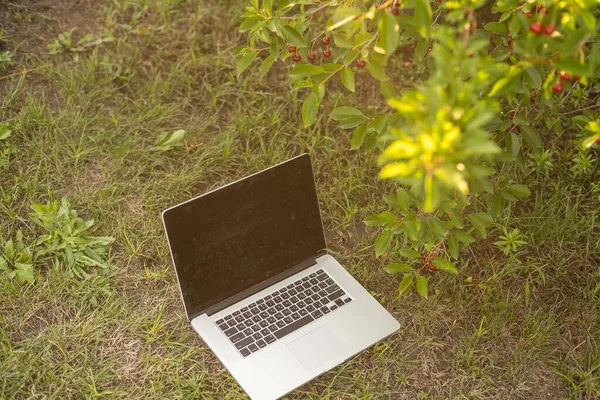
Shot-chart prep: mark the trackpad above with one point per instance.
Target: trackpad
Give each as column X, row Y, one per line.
column 317, row 348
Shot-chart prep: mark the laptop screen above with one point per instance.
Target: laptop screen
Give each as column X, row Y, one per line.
column 235, row 237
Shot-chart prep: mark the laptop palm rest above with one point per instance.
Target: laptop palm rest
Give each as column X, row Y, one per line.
column 317, row 348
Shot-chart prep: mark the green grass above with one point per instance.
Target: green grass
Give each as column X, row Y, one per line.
column 83, row 126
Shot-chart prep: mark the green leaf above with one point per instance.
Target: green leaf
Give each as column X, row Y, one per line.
column 514, row 26
column 309, row 109
column 3, row 263
column 444, row 265
column 403, row 199
column 453, row 247
column 292, row 36
column 422, row 286
column 410, row 253
column 396, row 268
column 347, row 77
column 464, row 237
column 387, row 89
column 374, row 220
column 5, row 131
column 383, row 242
column 245, row 62
column 169, row 140
column 249, row 23
column 267, row 63
column 304, row 70
column 573, row 67
column 405, row 283
column 535, row 76
column 496, row 27
column 358, row 136
column 423, row 17
column 519, row 191
column 389, row 36
column 479, row 222
column 533, row 139
column 376, row 71
column 24, row 273
column 345, row 112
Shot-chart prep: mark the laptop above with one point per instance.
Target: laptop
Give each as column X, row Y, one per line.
column 260, row 288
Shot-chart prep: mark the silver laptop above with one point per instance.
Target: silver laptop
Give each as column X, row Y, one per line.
column 259, row 287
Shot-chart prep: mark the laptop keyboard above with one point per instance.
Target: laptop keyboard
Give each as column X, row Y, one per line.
column 282, row 312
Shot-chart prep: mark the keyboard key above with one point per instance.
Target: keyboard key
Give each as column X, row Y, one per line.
column 335, row 295
column 273, row 328
column 308, row 300
column 315, row 296
column 348, row 300
column 290, row 286
column 286, row 303
column 264, row 314
column 247, row 314
column 312, row 275
column 279, row 307
column 332, row 288
column 288, row 320
column 323, row 293
column 243, row 343
column 262, row 307
column 314, row 281
column 333, row 307
column 255, row 328
column 256, row 318
column 277, row 299
column 220, row 321
column 245, row 352
column 301, row 296
column 241, row 327
column 319, row 272
column 294, row 308
column 268, row 297
column 305, row 279
column 244, row 309
column 286, row 312
column 252, row 305
column 253, row 347
column 323, row 285
column 325, row 310
column 339, row 302
column 282, row 290
column 223, row 326
column 295, row 316
column 275, row 293
column 270, row 339
column 237, row 337
column 293, row 326
column 264, row 324
column 279, row 316
column 322, row 277
column 272, row 311
column 301, row 304
column 257, row 336
column 308, row 292
column 230, row 332
column 306, row 285
column 310, row 308
column 227, row 318
column 285, row 296
column 260, row 301
column 236, row 313
column 271, row 320
column 254, row 311
column 303, row 312
column 293, row 292
column 317, row 314
column 239, row 318
column 329, row 281
column 280, row 324
column 261, row 343
column 247, row 331
column 264, row 332
column 294, row 299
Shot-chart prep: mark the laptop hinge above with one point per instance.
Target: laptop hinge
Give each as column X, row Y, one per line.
column 261, row 286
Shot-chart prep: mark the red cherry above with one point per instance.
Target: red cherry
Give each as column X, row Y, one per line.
column 312, row 56
column 528, row 14
column 325, row 40
column 326, row 53
column 360, row 63
column 536, row 27
column 564, row 76
column 297, row 58
column 598, row 140
column 549, row 29
column 395, row 11
column 292, row 49
column 576, row 78
column 558, row 88
column 532, row 98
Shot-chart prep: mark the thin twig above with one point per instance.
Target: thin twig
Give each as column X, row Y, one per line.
column 568, row 94
column 580, row 109
column 24, row 72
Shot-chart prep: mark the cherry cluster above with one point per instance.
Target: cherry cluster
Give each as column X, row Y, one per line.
column 326, row 53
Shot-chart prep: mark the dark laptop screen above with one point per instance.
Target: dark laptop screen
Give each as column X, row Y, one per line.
column 242, row 234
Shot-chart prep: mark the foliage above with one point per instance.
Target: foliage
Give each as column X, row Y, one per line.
column 169, row 140
column 6, row 149
column 68, row 241
column 66, row 43
column 492, row 90
column 17, row 260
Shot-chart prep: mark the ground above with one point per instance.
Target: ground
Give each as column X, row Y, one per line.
column 84, row 124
